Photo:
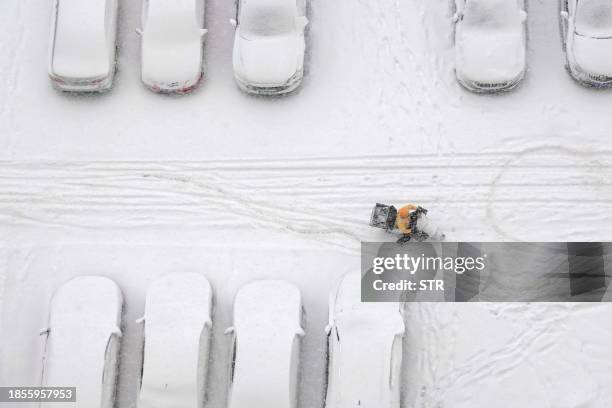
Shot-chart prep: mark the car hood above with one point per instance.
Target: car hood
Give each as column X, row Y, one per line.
column 266, row 61
column 489, row 56
column 592, row 54
column 171, row 64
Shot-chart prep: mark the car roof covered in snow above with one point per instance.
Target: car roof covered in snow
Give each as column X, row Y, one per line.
column 84, row 314
column 284, row 5
column 267, row 318
column 177, row 312
column 80, row 46
column 492, row 13
column 267, row 18
column 172, row 20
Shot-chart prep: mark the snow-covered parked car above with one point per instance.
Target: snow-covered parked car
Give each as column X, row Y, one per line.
column 177, row 326
column 490, row 44
column 82, row 340
column 269, row 45
column 266, row 339
column 364, row 349
column 171, row 44
column 586, row 31
column 82, row 55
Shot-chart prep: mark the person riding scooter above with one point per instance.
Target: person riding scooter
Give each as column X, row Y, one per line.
column 406, row 222
column 410, row 221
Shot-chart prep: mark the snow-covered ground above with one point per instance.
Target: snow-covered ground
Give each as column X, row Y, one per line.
column 133, row 185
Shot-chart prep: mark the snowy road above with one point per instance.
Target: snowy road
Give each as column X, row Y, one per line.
column 523, row 195
column 134, row 185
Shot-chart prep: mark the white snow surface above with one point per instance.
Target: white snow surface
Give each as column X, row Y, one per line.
column 177, row 322
column 133, row 186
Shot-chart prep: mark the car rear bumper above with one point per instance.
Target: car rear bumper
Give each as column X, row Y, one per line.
column 490, row 87
column 173, row 88
column 588, row 79
column 271, row 89
column 581, row 75
column 100, row 84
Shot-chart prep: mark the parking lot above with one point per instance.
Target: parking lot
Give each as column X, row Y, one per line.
column 133, row 185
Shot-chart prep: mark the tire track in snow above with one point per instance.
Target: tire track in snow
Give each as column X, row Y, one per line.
column 472, row 352
column 585, row 192
column 481, row 196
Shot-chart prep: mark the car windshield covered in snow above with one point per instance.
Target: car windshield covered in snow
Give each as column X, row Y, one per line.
column 266, row 18
column 490, row 13
column 594, row 18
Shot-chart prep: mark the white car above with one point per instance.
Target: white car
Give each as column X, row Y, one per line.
column 177, row 326
column 269, row 45
column 364, row 349
column 490, row 44
column 586, row 30
column 266, row 339
column 82, row 340
column 171, row 44
column 82, row 50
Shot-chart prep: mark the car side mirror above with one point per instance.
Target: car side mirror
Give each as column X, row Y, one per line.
column 301, row 22
column 203, row 32
column 523, row 15
column 564, row 15
column 233, row 22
